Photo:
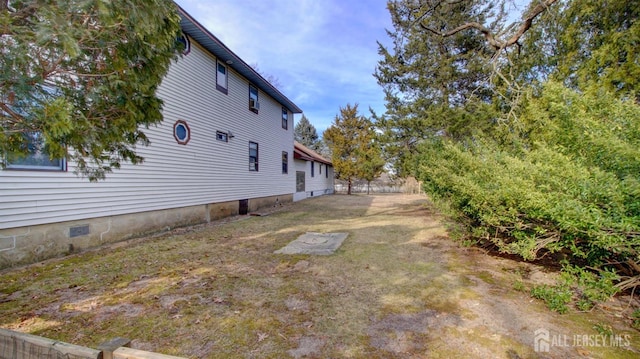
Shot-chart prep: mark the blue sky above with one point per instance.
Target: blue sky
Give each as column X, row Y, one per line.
column 323, row 52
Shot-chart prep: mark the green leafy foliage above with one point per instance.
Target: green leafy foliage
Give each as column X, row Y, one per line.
column 635, row 316
column 83, row 74
column 568, row 185
column 592, row 288
column 604, row 329
column 579, row 286
column 557, row 297
column 531, row 145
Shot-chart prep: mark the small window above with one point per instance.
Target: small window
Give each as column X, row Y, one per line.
column 254, row 105
column 35, row 156
column 186, row 45
column 285, row 116
column 312, row 174
column 320, row 168
column 285, row 162
column 326, row 172
column 181, row 132
column 222, row 136
column 253, row 156
column 221, row 78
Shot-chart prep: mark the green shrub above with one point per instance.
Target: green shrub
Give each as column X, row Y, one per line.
column 636, row 319
column 566, row 180
column 557, row 297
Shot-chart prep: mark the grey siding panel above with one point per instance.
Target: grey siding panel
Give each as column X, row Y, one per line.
column 203, row 171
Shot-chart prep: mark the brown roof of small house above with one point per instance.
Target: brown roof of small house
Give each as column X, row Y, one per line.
column 303, row 152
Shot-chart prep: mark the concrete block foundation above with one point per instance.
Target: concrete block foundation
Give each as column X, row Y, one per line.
column 25, row 245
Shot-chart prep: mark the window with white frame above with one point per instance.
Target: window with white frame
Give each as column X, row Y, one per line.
column 33, row 152
column 34, row 156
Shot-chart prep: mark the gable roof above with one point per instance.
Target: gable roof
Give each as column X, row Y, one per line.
column 205, row 38
column 303, row 152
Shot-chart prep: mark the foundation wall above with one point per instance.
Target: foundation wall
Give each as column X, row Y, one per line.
column 24, row 245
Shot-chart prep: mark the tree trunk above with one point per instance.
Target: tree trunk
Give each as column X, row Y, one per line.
column 349, row 187
column 368, row 186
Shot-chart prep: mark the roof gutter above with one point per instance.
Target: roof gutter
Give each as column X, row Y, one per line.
column 205, row 38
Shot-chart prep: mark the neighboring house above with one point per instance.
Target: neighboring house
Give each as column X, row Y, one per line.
column 225, row 147
column 314, row 173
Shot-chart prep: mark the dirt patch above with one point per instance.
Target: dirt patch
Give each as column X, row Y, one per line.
column 406, row 333
column 297, row 304
column 398, row 287
column 126, row 310
column 307, row 347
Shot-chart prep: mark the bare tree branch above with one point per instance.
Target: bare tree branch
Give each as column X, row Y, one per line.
column 498, row 44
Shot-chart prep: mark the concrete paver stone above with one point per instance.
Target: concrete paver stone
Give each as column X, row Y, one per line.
column 314, row 243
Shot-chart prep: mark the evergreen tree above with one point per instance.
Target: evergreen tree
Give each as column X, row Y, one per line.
column 587, row 42
column 81, row 76
column 372, row 163
column 445, row 76
column 527, row 134
column 432, row 84
column 354, row 150
column 305, row 133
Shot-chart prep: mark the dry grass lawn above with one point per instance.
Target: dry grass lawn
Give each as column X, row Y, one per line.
column 398, row 287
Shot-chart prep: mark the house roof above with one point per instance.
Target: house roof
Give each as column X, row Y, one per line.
column 303, row 152
column 205, row 38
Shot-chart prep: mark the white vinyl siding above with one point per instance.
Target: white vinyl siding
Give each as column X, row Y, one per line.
column 205, row 170
column 316, row 185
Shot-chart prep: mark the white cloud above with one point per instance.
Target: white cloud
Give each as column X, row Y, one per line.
column 323, row 52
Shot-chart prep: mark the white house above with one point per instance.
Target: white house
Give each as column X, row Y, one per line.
column 314, row 173
column 225, row 146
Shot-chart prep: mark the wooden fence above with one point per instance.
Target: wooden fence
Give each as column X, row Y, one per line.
column 16, row 345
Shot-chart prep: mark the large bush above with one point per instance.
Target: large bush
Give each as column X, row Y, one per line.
column 563, row 179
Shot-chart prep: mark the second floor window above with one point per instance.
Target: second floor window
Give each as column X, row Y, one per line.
column 221, row 78
column 285, row 118
column 254, row 105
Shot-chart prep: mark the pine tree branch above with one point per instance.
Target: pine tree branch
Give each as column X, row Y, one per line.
column 18, row 17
